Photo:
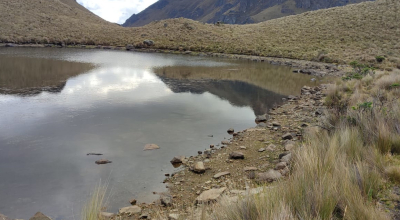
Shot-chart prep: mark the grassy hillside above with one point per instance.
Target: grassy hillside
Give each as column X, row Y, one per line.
column 354, row 32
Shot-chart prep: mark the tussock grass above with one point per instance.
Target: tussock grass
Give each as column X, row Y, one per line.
column 341, row 173
column 95, row 205
column 340, row 35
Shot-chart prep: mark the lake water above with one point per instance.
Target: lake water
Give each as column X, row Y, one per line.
column 57, row 105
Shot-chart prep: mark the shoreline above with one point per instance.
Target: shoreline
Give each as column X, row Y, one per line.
column 314, row 68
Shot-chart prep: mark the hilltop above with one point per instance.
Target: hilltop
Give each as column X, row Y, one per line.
column 229, row 11
column 339, row 35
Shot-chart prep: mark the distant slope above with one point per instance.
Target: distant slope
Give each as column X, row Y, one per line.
column 341, row 34
column 229, row 11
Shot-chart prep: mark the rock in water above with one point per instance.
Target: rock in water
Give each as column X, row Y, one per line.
column 210, row 195
column 131, row 210
column 236, row 155
column 269, row 176
column 40, row 216
column 151, row 147
column 103, row 161
column 199, row 167
column 177, row 159
column 231, row 131
column 218, row 175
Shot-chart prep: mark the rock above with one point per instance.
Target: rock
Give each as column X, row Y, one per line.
column 133, row 201
column 166, row 200
column 225, row 142
column 210, row 195
column 243, row 147
column 284, row 171
column 250, row 169
column 261, row 150
column 231, row 131
column 199, row 167
column 39, row 216
column 276, row 124
column 131, row 210
column 151, row 147
column 144, row 216
column 218, row 175
column 173, row 216
column 212, row 146
column 304, row 125
column 262, row 125
column 106, row 215
column 178, row 159
column 261, row 118
column 269, row 176
column 200, row 152
column 280, row 166
column 236, row 155
column 3, row 217
column 289, row 147
column 148, row 42
column 291, row 97
column 103, row 161
column 287, row 136
column 10, row 45
column 271, row 147
column 286, row 158
column 129, row 47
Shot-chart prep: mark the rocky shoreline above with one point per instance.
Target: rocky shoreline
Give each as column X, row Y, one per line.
column 300, row 66
column 250, row 159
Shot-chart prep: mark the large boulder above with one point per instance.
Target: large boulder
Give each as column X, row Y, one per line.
column 40, row 216
column 210, row 195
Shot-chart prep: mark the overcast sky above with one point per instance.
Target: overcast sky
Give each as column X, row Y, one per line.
column 116, row 10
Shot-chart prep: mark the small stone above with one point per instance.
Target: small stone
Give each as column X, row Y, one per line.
column 271, row 147
column 212, row 146
column 286, row 158
column 173, row 216
column 218, row 175
column 210, row 195
column 200, row 152
column 236, row 155
column 166, row 200
column 133, row 202
column 276, row 124
column 151, row 147
column 250, row 169
column 269, row 176
column 284, row 171
column 106, row 215
column 261, row 150
column 280, row 166
column 261, row 118
column 289, row 147
column 231, row 131
column 177, row 159
column 131, row 210
column 287, row 136
column 199, row 167
column 243, row 147
column 262, row 125
column 225, row 142
column 206, row 161
column 144, row 216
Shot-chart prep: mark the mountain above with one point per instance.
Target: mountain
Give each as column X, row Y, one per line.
column 229, row 11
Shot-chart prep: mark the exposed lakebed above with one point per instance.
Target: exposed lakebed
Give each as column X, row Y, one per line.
column 58, row 105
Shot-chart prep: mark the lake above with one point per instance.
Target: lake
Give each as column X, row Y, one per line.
column 58, row 105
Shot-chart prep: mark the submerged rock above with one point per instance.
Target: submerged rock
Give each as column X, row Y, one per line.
column 151, row 147
column 40, row 216
column 103, row 161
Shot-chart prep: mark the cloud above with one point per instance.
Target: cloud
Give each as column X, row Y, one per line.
column 116, row 10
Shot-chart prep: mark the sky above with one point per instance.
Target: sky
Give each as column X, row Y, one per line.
column 116, row 11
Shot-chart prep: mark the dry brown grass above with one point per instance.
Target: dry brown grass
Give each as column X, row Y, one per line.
column 354, row 32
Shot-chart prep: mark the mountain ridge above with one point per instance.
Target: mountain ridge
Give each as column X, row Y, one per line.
column 229, row 11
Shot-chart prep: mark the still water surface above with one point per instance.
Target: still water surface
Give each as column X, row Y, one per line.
column 57, row 105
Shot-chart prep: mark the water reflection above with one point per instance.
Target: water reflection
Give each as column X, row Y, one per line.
column 111, row 103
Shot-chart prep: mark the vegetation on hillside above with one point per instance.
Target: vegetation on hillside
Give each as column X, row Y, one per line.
column 354, row 32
